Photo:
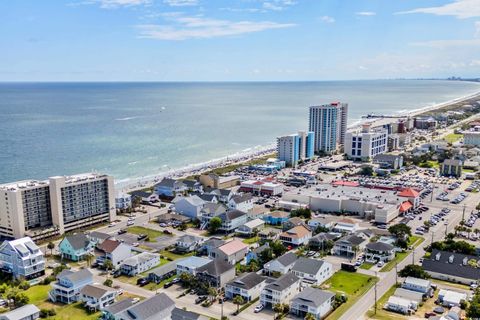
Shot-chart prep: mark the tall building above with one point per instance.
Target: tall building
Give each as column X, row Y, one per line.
column 41, row 209
column 366, row 143
column 295, row 147
column 329, row 124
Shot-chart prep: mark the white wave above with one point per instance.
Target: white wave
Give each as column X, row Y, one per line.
column 128, row 118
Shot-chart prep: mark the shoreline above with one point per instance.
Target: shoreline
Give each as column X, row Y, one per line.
column 132, row 184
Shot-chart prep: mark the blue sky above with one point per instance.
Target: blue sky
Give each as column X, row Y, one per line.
column 237, row 40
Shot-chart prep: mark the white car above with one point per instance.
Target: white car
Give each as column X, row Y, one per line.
column 380, row 264
column 111, row 224
column 258, row 308
column 135, row 244
column 130, row 223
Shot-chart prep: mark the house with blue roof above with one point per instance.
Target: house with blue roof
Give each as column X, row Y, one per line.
column 170, row 187
column 68, row 285
column 191, row 265
column 76, row 247
column 276, row 217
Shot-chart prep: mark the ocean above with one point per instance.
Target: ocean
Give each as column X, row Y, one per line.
column 131, row 130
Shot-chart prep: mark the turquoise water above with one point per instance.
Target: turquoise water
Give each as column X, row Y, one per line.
column 136, row 129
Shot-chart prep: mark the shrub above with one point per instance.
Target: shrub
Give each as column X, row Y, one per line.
column 45, row 313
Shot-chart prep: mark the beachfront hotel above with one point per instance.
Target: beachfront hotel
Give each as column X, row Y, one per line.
column 364, row 144
column 41, row 209
column 329, row 124
column 295, row 147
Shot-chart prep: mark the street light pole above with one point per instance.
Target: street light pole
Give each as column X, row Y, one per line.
column 375, row 311
column 463, row 214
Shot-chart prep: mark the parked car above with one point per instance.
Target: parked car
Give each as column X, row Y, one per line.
column 142, row 282
column 258, row 308
column 200, row 299
column 122, row 231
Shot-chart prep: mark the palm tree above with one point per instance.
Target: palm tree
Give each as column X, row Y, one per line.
column 238, row 300
column 277, row 308
column 50, row 247
column 212, row 292
column 108, row 265
column 89, row 258
column 309, row 316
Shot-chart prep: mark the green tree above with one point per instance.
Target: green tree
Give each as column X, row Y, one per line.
column 187, row 279
column 214, row 224
column 108, row 282
column 278, row 248
column 238, row 300
column 212, row 293
column 366, row 171
column 266, row 255
column 277, row 308
column 402, row 232
column 108, row 265
column 473, row 310
column 415, row 271
column 309, row 316
column 50, row 247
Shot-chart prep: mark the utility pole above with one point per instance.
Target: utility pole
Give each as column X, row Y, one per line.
column 446, row 225
column 375, row 311
column 433, row 232
column 463, row 214
column 433, row 191
column 413, row 256
column 396, row 272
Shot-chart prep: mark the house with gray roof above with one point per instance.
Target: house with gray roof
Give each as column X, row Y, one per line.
column 97, row 296
column 320, row 241
column 379, row 251
column 139, row 263
column 314, row 301
column 247, row 285
column 207, row 197
column 190, row 206
column 188, row 243
column 144, row 196
column 68, row 285
column 170, row 187
column 75, row 247
column 453, row 267
column 157, row 307
column 312, row 270
column 216, row 273
column 193, row 185
column 98, row 237
column 281, row 290
column 161, row 273
column 232, row 219
column 211, row 244
column 282, row 264
column 180, row 314
column 349, row 245
column 26, row 312
column 242, row 202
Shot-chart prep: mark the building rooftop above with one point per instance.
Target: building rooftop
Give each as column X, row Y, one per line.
column 216, row 267
column 308, row 265
column 296, row 232
column 95, row 290
column 313, row 297
column 140, row 258
column 78, row 241
column 284, row 282
column 75, row 276
column 379, row 246
column 148, row 308
column 247, row 281
column 21, row 312
column 232, row 247
column 287, row 259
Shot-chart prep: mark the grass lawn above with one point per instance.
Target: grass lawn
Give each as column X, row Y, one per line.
column 452, row 137
column 174, row 256
column 381, row 313
column 399, row 256
column 366, row 266
column 152, row 286
column 152, row 234
column 354, row 285
column 251, row 240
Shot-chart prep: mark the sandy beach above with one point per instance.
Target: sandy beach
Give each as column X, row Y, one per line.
column 132, row 184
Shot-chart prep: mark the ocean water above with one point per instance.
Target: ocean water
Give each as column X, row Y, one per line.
column 132, row 130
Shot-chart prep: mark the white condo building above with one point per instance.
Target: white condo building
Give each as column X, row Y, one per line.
column 329, row 124
column 295, row 147
column 41, row 209
column 364, row 144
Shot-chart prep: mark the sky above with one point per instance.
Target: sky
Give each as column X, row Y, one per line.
column 237, row 40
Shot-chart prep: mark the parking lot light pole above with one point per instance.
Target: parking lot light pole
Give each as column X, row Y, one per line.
column 463, row 214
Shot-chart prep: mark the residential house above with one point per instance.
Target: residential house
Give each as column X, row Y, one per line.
column 97, row 237
column 281, row 290
column 207, row 197
column 157, row 307
column 123, row 201
column 189, row 206
column 314, row 301
column 282, row 264
column 231, row 220
column 139, row 263
column 254, row 254
column 188, row 243
column 349, row 245
column 276, row 217
column 409, row 295
column 312, row 270
column 232, row 252
column 68, row 285
column 216, row 273
column 180, row 314
column 26, row 312
column 115, row 251
column 453, row 267
column 170, row 188
column 269, row 234
column 144, row 196
column 346, row 226
column 22, row 259
column 251, row 227
column 248, row 286
column 379, row 251
column 418, row 285
column 449, row 298
column 296, row 236
column 401, row 305
column 242, row 202
column 193, row 186
column 294, row 222
column 211, row 244
column 97, row 296
column 324, row 222
column 76, row 247
column 321, row 240
column 191, row 265
column 163, row 272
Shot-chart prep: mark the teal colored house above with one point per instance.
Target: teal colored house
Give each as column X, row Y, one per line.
column 75, row 247
column 276, row 217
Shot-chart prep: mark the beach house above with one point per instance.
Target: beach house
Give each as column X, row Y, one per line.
column 76, row 247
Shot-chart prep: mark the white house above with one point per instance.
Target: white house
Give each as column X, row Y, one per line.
column 97, row 296
column 282, row 264
column 242, row 202
column 312, row 270
column 251, row 227
column 188, row 243
column 189, row 206
column 416, row 284
column 296, row 236
column 22, row 258
column 346, row 226
column 401, row 305
column 26, row 312
column 139, row 263
column 449, row 298
column 314, row 301
column 324, row 222
column 233, row 251
column 248, row 285
column 281, row 290
column 349, row 245
column 379, row 251
column 115, row 251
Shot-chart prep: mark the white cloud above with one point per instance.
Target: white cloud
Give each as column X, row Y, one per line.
column 109, row 4
column 278, row 5
column 448, row 43
column 181, row 3
column 327, row 19
column 198, row 27
column 461, row 9
column 477, row 29
column 366, row 13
